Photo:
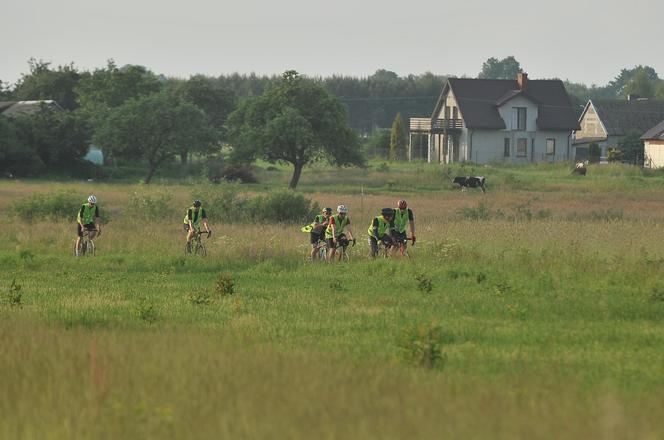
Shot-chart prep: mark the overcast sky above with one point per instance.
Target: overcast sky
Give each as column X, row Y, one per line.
column 584, row 41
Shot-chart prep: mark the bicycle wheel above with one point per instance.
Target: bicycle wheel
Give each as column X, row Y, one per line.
column 322, row 252
column 90, row 251
column 200, row 249
column 187, row 248
column 344, row 256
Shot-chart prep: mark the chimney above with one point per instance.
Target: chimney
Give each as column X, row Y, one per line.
column 522, row 80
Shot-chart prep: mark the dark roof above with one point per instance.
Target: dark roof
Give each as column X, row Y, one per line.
column 479, row 99
column 4, row 105
column 28, row 107
column 656, row 133
column 620, row 117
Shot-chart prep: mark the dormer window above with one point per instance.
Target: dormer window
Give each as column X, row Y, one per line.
column 519, row 118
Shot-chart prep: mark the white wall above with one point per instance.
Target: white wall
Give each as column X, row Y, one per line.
column 488, row 146
column 654, row 153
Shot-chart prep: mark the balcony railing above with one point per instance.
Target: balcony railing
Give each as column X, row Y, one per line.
column 440, row 125
column 428, row 125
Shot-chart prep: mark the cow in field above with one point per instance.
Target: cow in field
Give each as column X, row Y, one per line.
column 470, row 182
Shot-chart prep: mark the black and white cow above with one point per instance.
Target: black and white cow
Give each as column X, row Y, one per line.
column 470, row 182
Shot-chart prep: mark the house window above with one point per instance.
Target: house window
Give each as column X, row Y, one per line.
column 521, row 147
column 455, row 113
column 550, row 146
column 519, row 118
column 447, row 112
column 506, row 152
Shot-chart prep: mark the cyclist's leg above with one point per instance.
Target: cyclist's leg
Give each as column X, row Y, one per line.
column 92, row 233
column 79, row 235
column 342, row 243
column 331, row 249
column 314, row 238
column 388, row 242
column 374, row 246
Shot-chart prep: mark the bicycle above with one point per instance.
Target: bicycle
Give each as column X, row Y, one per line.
column 342, row 249
column 321, row 250
column 401, row 246
column 196, row 245
column 87, row 244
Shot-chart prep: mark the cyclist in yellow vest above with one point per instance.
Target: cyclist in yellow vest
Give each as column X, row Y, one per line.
column 317, row 230
column 381, row 229
column 88, row 219
column 335, row 233
column 193, row 218
column 403, row 216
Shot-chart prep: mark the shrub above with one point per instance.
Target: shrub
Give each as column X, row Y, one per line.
column 282, row 206
column 481, row 212
column 424, row 283
column 148, row 207
column 46, row 206
column 423, row 346
column 147, row 313
column 224, row 284
column 222, row 202
column 13, row 294
column 199, row 298
column 614, row 155
column 237, row 172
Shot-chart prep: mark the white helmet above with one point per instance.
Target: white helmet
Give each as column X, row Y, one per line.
column 341, row 209
column 92, row 199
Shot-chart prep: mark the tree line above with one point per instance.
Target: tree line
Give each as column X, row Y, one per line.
column 138, row 116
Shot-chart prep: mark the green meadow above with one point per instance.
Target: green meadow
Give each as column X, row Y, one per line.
column 535, row 310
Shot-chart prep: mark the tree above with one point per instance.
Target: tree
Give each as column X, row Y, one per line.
column 507, row 68
column 59, row 138
column 640, row 84
column 398, row 139
column 617, row 86
column 296, row 121
column 210, row 96
column 659, row 90
column 154, row 128
column 16, row 159
column 110, row 87
column 43, row 83
column 5, row 92
column 632, row 148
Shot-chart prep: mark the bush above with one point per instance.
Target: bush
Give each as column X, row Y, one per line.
column 614, row 155
column 236, row 172
column 148, row 207
column 46, row 206
column 481, row 212
column 222, row 202
column 423, row 346
column 282, row 206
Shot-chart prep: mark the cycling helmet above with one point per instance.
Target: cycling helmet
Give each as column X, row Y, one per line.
column 387, row 212
column 341, row 209
column 327, row 210
column 197, row 203
column 402, row 204
column 92, row 199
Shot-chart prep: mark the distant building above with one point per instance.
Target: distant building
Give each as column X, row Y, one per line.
column 606, row 121
column 653, row 141
column 15, row 108
column 511, row 121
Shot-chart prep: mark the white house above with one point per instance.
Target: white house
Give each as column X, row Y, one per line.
column 511, row 121
column 653, row 146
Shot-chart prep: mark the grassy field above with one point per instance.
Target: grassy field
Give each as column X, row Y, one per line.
column 534, row 311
